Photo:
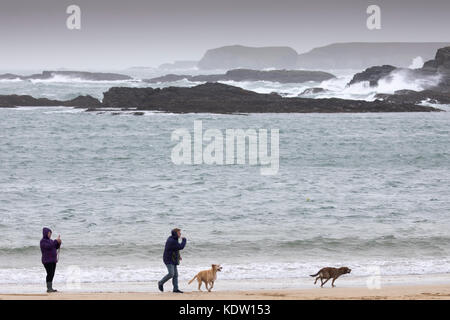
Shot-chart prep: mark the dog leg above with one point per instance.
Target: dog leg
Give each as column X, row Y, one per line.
column 332, row 282
column 325, row 282
column 211, row 285
column 316, row 280
column 199, row 284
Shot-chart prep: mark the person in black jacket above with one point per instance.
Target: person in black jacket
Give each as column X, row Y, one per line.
column 172, row 259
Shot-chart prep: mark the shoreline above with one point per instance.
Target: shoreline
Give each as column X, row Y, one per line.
column 432, row 286
column 411, row 292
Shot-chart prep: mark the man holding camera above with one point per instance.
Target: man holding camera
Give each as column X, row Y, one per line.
column 172, row 259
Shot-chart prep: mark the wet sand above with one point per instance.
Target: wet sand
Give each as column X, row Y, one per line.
column 422, row 292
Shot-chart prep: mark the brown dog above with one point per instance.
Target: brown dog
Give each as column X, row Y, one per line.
column 208, row 277
column 330, row 273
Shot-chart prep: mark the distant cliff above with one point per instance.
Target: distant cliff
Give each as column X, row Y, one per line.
column 233, row 57
column 361, row 55
column 352, row 55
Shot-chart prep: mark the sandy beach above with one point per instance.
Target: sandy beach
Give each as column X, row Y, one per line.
column 422, row 292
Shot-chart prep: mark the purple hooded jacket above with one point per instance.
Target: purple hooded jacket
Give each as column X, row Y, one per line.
column 48, row 248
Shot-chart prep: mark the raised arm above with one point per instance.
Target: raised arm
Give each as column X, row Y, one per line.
column 175, row 245
column 182, row 244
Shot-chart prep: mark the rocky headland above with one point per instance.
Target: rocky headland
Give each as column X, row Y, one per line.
column 350, row 55
column 281, row 76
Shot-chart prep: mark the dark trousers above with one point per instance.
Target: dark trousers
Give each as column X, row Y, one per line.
column 173, row 274
column 50, row 268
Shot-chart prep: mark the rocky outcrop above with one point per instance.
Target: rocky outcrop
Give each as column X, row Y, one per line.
column 361, row 55
column 11, row 101
column 440, row 65
column 9, row 76
column 216, row 98
column 169, row 78
column 232, row 57
column 438, row 68
column 83, row 102
column 311, row 91
column 372, row 75
column 441, row 62
column 88, row 76
column 221, row 98
column 281, row 76
column 415, row 97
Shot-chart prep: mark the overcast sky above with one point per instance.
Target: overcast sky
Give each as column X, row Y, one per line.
column 118, row 34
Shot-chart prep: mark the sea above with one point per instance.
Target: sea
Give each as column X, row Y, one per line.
column 370, row 191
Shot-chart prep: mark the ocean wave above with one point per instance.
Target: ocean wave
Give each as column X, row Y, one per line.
column 386, row 241
column 68, row 79
column 10, row 80
column 347, row 244
column 334, row 88
column 237, row 271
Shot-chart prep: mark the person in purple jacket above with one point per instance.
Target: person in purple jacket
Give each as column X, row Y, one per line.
column 49, row 256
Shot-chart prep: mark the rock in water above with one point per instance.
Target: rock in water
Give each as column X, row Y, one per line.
column 372, row 75
column 437, row 69
column 211, row 98
column 11, row 101
column 83, row 102
column 441, row 62
column 168, row 78
column 415, row 97
column 311, row 91
column 281, row 76
column 221, row 98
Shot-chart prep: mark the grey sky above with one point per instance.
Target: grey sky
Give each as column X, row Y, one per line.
column 118, row 34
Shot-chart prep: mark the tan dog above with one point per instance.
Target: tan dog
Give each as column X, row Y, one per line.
column 330, row 273
column 208, row 277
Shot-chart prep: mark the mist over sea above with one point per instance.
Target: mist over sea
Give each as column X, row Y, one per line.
column 361, row 190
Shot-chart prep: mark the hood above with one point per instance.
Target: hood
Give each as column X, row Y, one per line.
column 174, row 234
column 45, row 232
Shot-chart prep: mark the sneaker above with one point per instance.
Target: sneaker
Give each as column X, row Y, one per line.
column 160, row 287
column 178, row 291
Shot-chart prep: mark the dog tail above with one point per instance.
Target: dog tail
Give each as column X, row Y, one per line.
column 192, row 279
column 314, row 275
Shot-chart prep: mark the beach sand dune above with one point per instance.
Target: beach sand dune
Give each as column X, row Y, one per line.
column 434, row 292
